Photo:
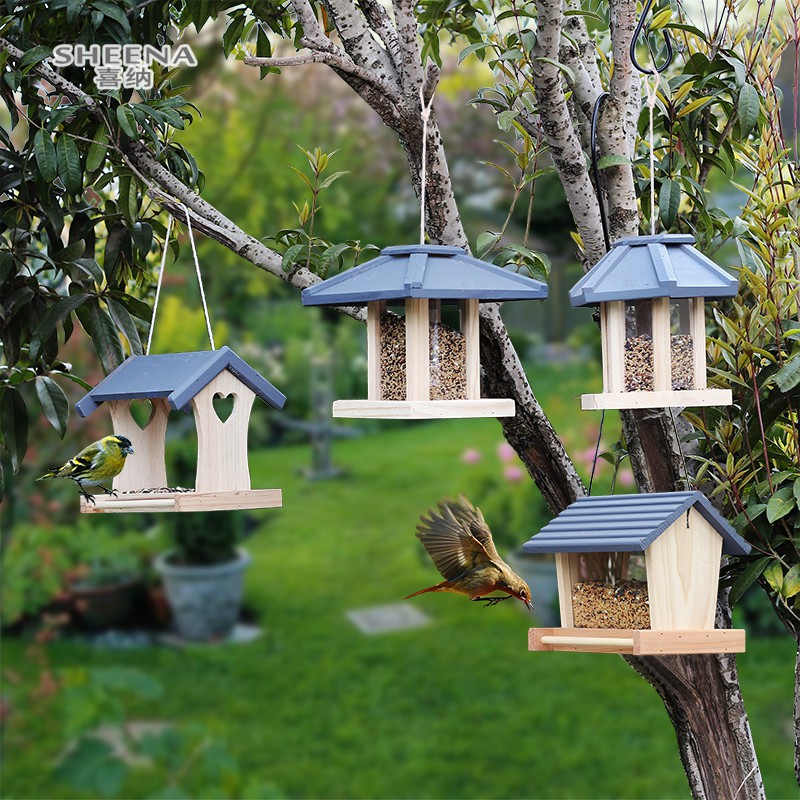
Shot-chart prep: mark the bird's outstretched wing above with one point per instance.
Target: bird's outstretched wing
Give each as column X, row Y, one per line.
column 447, row 534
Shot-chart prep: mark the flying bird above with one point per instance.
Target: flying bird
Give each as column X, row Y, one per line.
column 459, row 541
column 95, row 464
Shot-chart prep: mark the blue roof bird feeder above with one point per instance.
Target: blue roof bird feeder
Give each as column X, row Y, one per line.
column 426, row 363
column 188, row 382
column 638, row 574
column 651, row 292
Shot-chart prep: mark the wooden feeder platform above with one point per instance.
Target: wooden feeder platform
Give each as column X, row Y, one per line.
column 424, row 409
column 636, row 642
column 688, row 398
column 149, row 502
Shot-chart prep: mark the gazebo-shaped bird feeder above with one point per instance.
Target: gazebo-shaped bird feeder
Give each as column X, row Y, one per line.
column 651, row 292
column 638, row 574
column 424, row 362
column 189, row 382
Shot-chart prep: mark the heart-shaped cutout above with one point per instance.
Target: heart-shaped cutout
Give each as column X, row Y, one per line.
column 224, row 405
column 142, row 412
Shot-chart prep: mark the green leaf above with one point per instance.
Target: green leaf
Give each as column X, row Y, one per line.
column 47, row 324
column 748, row 107
column 232, row 34
column 780, row 504
column 97, row 150
column 69, row 164
column 54, row 403
column 2, row 482
column 331, row 178
column 791, row 583
column 45, row 152
column 92, row 768
column 613, row 161
column 797, row 491
column 99, row 325
column 669, row 200
column 14, row 425
column 773, row 575
column 128, row 200
column 505, row 119
column 33, row 57
column 788, row 376
column 749, row 575
column 486, row 241
column 124, row 322
column 127, row 121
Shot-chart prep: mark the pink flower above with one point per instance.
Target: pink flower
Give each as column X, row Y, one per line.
column 625, row 478
column 513, row 474
column 470, row 456
column 505, row 452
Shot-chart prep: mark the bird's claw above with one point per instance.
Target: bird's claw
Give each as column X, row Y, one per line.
column 112, row 492
column 490, row 601
column 89, row 498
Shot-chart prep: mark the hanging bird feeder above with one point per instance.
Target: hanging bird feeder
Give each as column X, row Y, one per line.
column 638, row 574
column 423, row 360
column 651, row 292
column 187, row 382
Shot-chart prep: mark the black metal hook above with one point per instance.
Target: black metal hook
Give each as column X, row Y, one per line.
column 637, row 33
column 596, row 169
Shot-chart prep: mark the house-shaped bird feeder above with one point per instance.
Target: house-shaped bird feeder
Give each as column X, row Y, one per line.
column 188, row 382
column 651, row 292
column 423, row 360
column 638, row 574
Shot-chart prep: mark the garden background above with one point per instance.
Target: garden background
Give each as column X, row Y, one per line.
column 313, row 707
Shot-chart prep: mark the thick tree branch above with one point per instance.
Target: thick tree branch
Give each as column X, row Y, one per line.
column 378, row 19
column 557, row 126
column 406, row 25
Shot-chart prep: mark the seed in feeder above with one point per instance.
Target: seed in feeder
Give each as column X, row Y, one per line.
column 448, row 361
column 639, row 364
column 624, row 605
column 682, row 357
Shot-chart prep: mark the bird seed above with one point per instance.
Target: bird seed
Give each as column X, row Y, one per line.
column 624, row 605
column 639, row 368
column 448, row 361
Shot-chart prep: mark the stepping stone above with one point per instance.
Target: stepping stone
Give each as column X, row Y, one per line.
column 387, row 618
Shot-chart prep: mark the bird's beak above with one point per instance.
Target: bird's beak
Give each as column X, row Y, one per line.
column 128, row 450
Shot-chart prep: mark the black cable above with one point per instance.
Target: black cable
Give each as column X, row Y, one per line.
column 637, row 33
column 596, row 451
column 596, row 170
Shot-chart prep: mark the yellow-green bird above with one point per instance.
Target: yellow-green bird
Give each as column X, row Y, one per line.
column 94, row 465
column 459, row 541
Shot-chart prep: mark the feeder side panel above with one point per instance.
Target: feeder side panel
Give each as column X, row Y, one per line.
column 567, row 576
column 470, row 327
column 612, row 333
column 146, row 468
column 662, row 357
column 683, row 574
column 374, row 311
column 418, row 379
column 697, row 329
column 222, row 446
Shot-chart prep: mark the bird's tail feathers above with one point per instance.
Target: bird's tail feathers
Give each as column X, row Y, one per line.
column 52, row 473
column 439, row 587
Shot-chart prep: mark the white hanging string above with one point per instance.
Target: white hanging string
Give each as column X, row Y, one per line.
column 161, row 278
column 651, row 102
column 158, row 287
column 425, row 114
column 199, row 277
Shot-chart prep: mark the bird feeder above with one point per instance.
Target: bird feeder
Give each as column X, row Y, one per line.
column 651, row 292
column 638, row 574
column 189, row 382
column 423, row 360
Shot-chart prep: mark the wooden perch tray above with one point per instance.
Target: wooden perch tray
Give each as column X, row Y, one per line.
column 424, row 409
column 182, row 501
column 688, row 398
column 636, row 642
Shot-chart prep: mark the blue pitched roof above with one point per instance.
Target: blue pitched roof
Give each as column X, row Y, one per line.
column 176, row 376
column 627, row 523
column 640, row 267
column 423, row 271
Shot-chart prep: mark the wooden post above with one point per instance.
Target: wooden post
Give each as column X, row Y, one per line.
column 682, row 574
column 146, row 468
column 470, row 328
column 612, row 333
column 697, row 329
column 418, row 359
column 375, row 310
column 222, row 446
column 567, row 576
column 662, row 345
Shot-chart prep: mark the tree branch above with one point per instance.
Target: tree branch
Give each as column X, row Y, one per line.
column 406, row 24
column 379, row 21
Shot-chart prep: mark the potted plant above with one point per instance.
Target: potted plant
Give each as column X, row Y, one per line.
column 203, row 574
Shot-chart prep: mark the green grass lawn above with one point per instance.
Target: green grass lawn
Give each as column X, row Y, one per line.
column 458, row 709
